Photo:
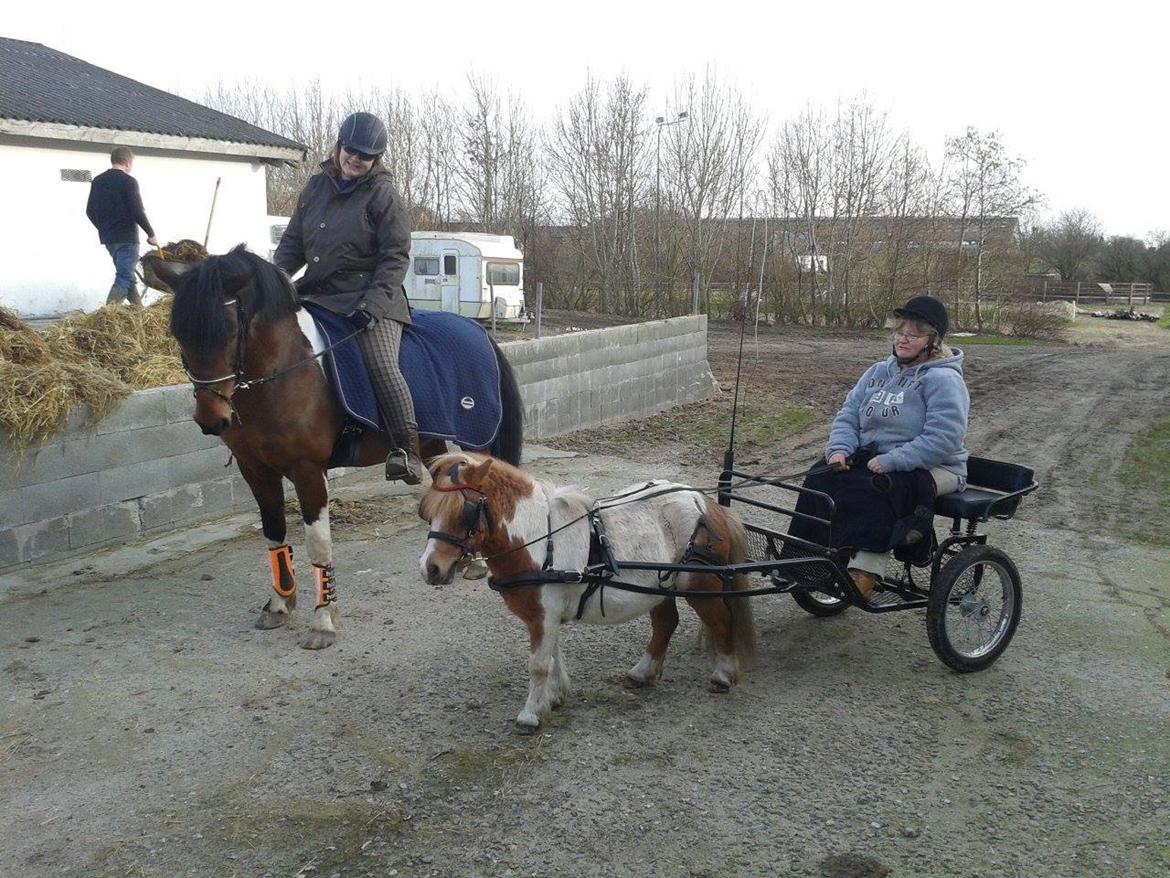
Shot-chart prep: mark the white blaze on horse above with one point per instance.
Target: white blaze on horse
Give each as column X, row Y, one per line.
column 481, row 505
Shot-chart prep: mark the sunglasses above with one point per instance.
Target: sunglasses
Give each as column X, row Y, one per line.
column 364, row 156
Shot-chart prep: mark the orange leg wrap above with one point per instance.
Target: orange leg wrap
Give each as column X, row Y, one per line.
column 323, row 579
column 284, row 581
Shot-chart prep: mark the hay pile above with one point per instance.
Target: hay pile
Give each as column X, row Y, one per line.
column 92, row 359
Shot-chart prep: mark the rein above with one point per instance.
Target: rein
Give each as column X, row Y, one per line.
column 207, row 385
column 594, row 576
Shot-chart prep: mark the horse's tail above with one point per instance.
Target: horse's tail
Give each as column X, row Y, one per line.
column 743, row 626
column 510, row 440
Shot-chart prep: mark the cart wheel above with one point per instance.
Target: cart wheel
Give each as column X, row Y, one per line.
column 819, row 603
column 974, row 608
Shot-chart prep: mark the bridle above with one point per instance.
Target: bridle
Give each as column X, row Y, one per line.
column 207, row 385
column 470, row 515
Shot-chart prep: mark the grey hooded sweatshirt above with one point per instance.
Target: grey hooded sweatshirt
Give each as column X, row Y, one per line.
column 916, row 417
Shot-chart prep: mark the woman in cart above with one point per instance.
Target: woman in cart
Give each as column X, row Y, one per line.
column 351, row 229
column 895, row 445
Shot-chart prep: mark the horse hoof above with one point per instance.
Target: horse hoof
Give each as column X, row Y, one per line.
column 629, row 682
column 319, row 640
column 269, row 620
column 524, row 729
column 718, row 687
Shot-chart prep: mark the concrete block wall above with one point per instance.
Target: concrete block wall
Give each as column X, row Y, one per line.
column 146, row 468
column 604, row 376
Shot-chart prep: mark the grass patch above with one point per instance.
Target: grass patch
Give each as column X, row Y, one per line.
column 490, row 766
column 1165, row 321
column 1146, row 468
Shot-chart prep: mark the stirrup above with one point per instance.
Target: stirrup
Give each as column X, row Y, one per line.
column 399, row 468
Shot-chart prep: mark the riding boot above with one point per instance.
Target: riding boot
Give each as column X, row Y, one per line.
column 404, row 463
column 116, row 296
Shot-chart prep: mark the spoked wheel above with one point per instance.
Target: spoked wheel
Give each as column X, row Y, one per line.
column 974, row 608
column 819, row 603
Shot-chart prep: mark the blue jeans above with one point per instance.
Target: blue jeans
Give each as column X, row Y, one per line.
column 125, row 257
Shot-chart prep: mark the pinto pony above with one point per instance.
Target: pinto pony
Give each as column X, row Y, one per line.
column 259, row 388
column 478, row 504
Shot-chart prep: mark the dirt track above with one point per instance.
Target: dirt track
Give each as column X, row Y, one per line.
column 147, row 730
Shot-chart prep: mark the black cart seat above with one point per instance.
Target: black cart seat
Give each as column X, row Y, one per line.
column 994, row 490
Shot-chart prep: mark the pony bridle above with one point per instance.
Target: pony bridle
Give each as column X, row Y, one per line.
column 470, row 515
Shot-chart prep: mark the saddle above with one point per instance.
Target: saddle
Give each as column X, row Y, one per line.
column 449, row 364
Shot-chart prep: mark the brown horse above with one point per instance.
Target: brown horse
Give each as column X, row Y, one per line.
column 478, row 504
column 259, row 387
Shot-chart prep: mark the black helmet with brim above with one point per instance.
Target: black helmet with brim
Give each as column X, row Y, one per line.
column 363, row 132
column 930, row 311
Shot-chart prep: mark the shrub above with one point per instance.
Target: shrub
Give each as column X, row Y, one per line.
column 1033, row 321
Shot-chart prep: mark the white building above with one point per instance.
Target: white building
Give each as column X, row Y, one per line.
column 59, row 119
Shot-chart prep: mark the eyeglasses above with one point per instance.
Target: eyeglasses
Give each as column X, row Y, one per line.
column 364, row 156
column 908, row 336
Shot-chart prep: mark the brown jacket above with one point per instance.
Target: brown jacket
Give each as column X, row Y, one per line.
column 356, row 245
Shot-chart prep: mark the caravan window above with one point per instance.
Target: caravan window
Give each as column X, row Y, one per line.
column 450, row 264
column 426, row 265
column 503, row 274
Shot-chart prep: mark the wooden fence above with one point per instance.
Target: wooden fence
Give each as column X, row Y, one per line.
column 1084, row 291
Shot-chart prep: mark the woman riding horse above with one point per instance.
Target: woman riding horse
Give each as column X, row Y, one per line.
column 350, row 228
column 260, row 387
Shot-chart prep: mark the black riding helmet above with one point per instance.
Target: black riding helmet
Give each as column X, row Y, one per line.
column 363, row 132
column 930, row 311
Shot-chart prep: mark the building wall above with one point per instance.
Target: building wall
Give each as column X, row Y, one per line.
column 52, row 260
column 146, row 468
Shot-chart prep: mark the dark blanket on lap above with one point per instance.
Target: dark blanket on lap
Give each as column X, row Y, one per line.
column 871, row 512
column 449, row 364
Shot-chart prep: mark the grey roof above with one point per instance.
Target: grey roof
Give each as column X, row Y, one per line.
column 39, row 84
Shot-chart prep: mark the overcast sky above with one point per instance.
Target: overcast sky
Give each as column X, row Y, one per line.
column 1078, row 90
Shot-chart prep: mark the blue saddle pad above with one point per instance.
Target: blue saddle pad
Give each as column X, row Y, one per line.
column 447, row 361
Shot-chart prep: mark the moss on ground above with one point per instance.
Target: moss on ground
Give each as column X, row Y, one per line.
column 1147, row 466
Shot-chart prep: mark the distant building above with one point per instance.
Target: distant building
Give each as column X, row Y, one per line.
column 59, row 119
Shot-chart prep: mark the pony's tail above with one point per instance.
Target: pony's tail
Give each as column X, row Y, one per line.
column 743, row 626
column 510, row 441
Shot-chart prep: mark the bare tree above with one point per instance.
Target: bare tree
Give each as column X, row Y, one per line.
column 710, row 162
column 1070, row 244
column 597, row 160
column 302, row 113
column 989, row 191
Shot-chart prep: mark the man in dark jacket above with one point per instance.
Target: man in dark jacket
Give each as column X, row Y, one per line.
column 115, row 209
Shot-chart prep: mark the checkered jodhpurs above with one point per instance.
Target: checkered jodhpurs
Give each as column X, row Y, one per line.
column 380, row 345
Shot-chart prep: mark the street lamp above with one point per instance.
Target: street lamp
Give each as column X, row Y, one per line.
column 661, row 122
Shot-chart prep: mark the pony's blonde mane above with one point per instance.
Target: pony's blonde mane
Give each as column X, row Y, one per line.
column 504, row 485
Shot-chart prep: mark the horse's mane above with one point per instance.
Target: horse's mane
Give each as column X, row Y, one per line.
column 199, row 316
column 502, row 480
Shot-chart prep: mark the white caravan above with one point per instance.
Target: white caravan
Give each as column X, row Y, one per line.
column 453, row 271
column 468, row 273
